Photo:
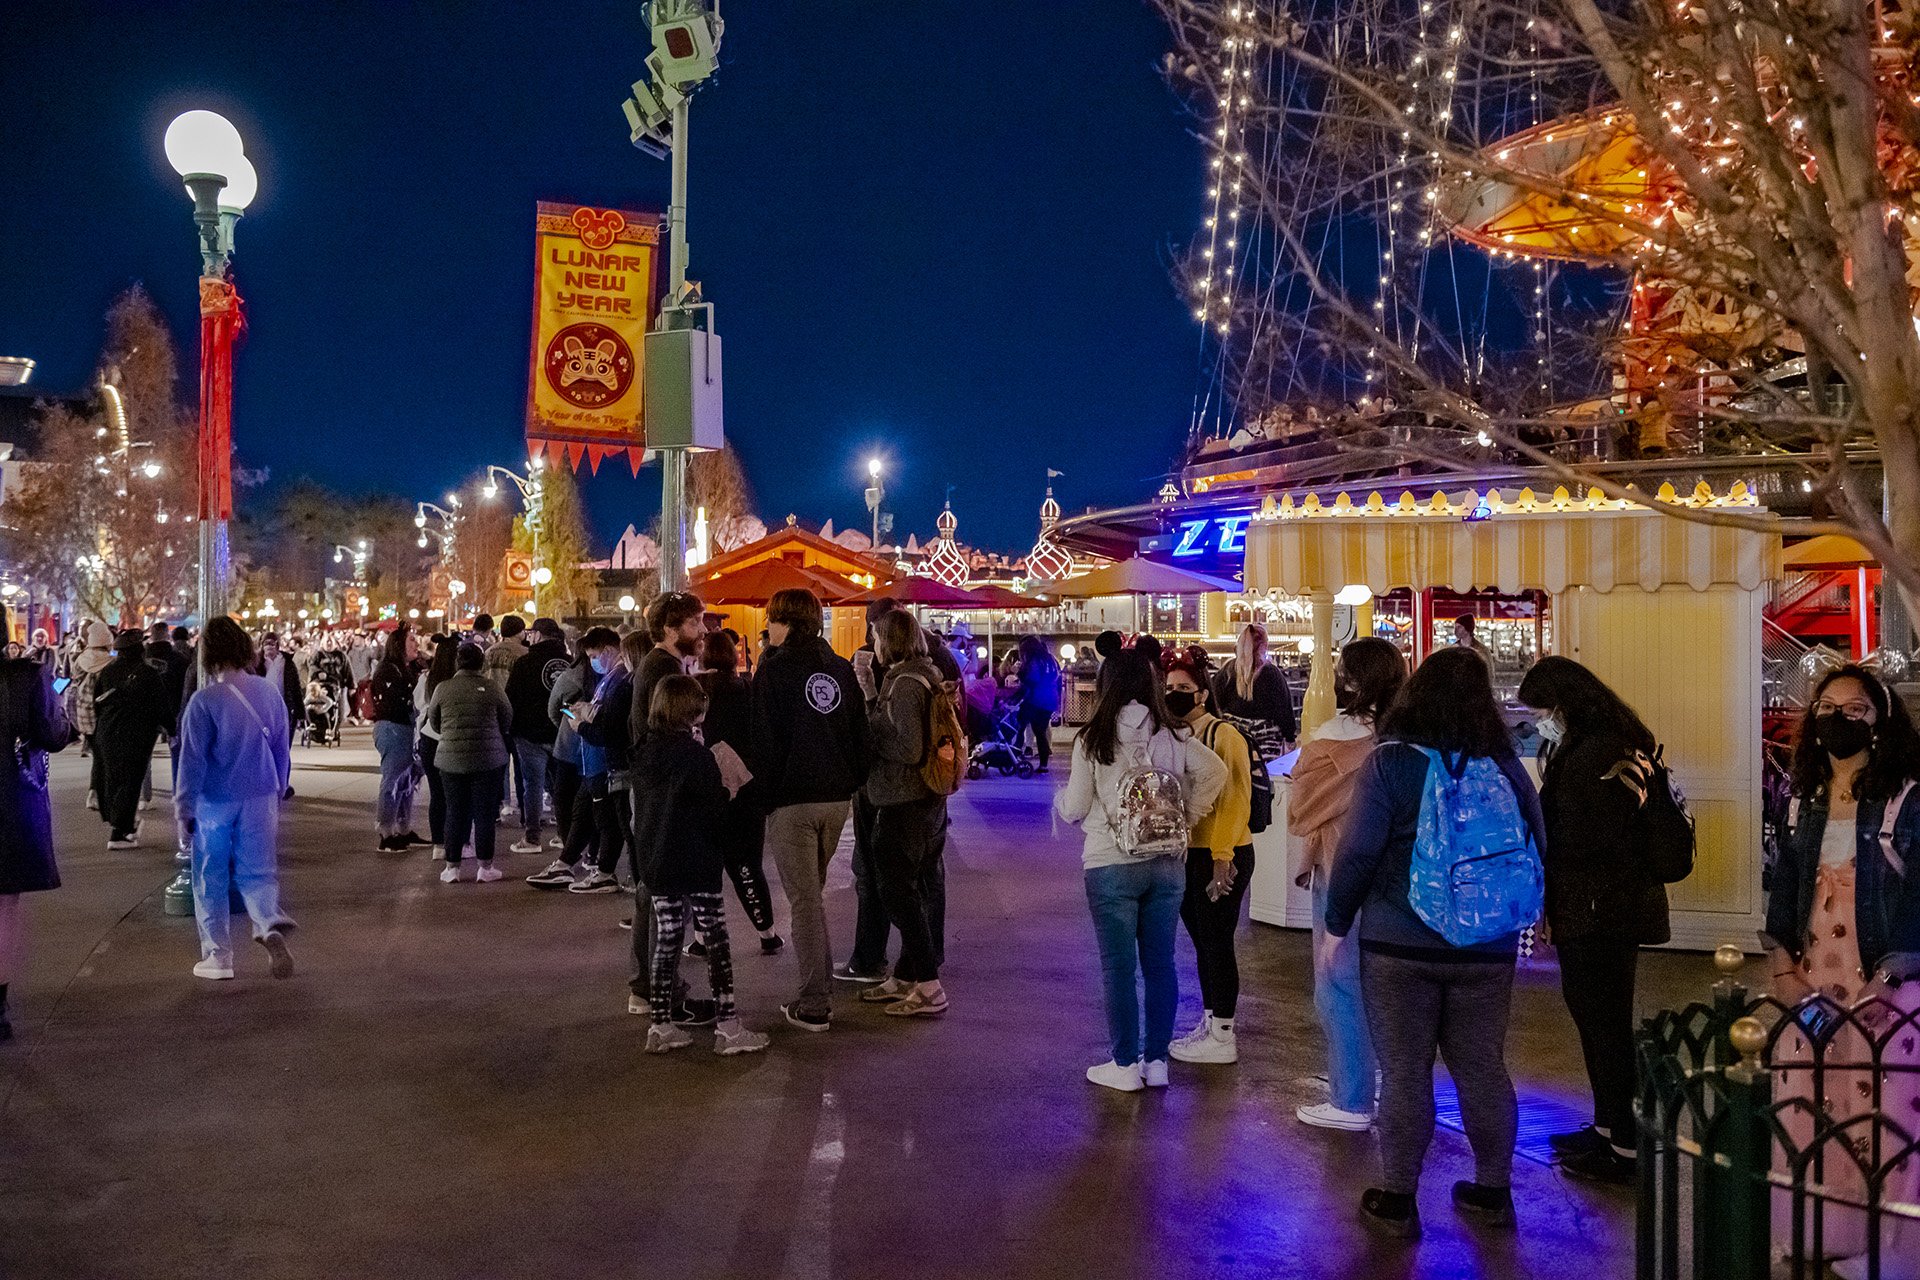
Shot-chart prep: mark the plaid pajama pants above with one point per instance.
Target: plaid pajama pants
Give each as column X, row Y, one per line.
column 670, row 928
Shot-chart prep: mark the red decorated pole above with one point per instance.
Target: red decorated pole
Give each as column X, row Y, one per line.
column 219, row 325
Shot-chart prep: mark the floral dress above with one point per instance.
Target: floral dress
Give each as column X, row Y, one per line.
column 1830, row 964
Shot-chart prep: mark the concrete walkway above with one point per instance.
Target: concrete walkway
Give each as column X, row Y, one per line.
column 451, row 1087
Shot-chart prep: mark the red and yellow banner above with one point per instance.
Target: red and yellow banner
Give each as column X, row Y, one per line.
column 593, row 301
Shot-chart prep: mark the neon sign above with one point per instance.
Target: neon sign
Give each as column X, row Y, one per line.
column 1229, row 537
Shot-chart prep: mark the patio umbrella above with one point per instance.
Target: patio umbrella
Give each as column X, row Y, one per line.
column 995, row 596
column 915, row 589
column 1140, row 577
column 1828, row 551
column 757, row 583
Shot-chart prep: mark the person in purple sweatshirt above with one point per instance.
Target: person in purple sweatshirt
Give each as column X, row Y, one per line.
column 234, row 767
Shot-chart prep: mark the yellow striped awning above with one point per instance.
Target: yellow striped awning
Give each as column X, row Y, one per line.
column 1511, row 543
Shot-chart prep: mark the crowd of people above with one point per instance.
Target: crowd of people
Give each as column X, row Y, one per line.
column 665, row 755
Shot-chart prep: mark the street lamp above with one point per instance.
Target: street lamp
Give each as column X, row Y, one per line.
column 530, row 496
column 876, row 494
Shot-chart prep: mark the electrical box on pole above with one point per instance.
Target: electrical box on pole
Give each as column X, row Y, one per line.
column 683, row 390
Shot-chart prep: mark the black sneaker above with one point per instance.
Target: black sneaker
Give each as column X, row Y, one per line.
column 847, row 973
column 697, row 949
column 805, row 1021
column 695, row 1013
column 1604, row 1165
column 769, row 946
column 1394, row 1214
column 1579, row 1140
column 1492, row 1205
column 413, row 838
column 394, row 844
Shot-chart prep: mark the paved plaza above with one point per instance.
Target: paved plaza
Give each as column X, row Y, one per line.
column 451, row 1087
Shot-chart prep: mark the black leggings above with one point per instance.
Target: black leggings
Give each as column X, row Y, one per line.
column 602, row 821
column 906, row 840
column 743, row 843
column 1212, row 925
column 1596, row 979
column 565, row 780
column 1040, row 720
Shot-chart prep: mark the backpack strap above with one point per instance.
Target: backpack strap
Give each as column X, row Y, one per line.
column 1887, row 823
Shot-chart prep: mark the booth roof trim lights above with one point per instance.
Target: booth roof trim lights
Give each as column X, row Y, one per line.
column 1471, row 541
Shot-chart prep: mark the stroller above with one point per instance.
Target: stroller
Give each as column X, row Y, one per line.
column 322, row 722
column 1001, row 749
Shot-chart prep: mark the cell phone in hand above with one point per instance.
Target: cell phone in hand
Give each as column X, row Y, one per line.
column 60, row 683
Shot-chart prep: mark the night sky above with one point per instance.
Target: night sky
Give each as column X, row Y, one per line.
column 935, row 230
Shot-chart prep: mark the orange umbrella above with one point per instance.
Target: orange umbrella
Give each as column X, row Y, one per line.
column 995, row 596
column 918, row 590
column 758, row 582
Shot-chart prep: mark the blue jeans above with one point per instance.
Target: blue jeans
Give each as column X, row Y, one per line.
column 1136, row 907
column 394, row 809
column 234, row 848
column 1336, row 996
column 532, row 758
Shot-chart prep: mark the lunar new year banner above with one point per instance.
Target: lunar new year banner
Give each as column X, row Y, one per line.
column 593, row 299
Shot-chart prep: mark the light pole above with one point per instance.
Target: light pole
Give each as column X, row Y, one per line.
column 530, row 496
column 876, row 494
column 206, row 151
column 686, row 43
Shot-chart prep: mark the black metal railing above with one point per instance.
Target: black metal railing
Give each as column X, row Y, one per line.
column 1769, row 1137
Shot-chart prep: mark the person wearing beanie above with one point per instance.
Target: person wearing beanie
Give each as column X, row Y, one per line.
column 95, row 654
column 31, row 725
column 129, row 709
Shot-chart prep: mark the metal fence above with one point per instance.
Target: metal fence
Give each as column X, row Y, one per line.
column 1776, row 1138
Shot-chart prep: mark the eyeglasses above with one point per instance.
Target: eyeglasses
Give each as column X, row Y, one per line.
column 1851, row 710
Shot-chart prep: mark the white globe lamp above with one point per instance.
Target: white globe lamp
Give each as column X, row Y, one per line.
column 204, row 142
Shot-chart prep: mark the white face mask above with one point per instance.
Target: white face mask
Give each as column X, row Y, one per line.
column 1552, row 727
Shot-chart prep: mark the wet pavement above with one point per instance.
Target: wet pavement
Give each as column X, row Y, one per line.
column 451, row 1087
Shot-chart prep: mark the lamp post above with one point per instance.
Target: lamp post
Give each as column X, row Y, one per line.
column 876, row 494
column 530, row 497
column 206, row 151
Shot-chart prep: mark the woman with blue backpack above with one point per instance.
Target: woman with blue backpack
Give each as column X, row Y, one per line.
column 1604, row 898
column 1440, row 862
column 1138, row 786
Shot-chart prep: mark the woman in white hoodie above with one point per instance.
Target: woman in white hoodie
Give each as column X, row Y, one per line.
column 1135, row 896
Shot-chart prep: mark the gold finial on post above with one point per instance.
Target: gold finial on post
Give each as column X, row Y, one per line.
column 1749, row 1037
column 1728, row 957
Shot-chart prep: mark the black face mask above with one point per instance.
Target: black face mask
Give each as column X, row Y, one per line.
column 1181, row 702
column 1840, row 737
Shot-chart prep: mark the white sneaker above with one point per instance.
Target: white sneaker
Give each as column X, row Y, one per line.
column 131, row 842
column 215, row 968
column 664, row 1037
column 730, row 1037
column 523, row 846
column 451, row 873
column 1199, row 1031
column 1114, row 1076
column 555, row 844
column 1154, row 1074
column 638, row 1004
column 1216, row 1047
column 1324, row 1115
column 489, row 873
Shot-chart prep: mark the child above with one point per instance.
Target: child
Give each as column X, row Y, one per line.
column 678, row 799
column 319, row 712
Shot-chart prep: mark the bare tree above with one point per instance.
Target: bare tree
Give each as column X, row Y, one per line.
column 1744, row 169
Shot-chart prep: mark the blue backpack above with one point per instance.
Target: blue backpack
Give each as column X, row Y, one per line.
column 1476, row 875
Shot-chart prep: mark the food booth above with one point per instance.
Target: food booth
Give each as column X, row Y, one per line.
column 1665, row 610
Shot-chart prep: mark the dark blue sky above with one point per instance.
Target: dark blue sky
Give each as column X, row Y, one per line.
column 934, row 229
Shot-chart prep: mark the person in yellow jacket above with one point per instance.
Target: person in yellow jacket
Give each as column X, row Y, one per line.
column 1219, row 861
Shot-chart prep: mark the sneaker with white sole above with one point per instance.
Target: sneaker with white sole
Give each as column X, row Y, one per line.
column 596, row 882
column 450, row 874
column 279, row 959
column 814, row 1022
column 1112, row 1075
column 523, row 846
column 214, row 968
column 557, row 875
column 556, row 844
column 664, row 1037
column 1217, row 1047
column 1324, row 1115
column 638, row 1005
column 730, row 1038
column 1154, row 1074
column 489, row 874
column 123, row 842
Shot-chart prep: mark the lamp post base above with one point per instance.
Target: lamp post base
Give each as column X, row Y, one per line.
column 177, row 898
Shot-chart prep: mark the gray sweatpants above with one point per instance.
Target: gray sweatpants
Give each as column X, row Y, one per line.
column 1414, row 1007
column 802, row 839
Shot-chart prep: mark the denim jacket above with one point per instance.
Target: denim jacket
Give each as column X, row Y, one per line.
column 1886, row 903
